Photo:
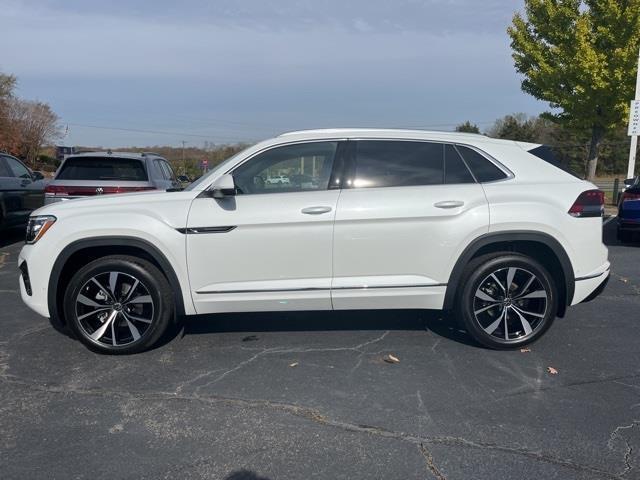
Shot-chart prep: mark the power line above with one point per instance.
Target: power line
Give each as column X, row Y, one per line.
column 138, row 130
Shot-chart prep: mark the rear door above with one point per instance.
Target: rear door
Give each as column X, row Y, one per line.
column 409, row 209
column 269, row 247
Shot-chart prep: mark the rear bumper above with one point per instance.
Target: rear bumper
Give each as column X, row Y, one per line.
column 599, row 289
column 590, row 286
column 49, row 199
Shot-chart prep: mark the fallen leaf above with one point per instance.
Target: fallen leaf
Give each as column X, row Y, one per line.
column 294, row 364
column 391, row 359
column 525, row 350
column 552, row 370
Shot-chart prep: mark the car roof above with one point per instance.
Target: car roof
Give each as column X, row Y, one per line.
column 391, row 133
column 110, row 154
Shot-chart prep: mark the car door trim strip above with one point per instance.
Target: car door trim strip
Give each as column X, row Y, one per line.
column 200, row 230
column 309, row 289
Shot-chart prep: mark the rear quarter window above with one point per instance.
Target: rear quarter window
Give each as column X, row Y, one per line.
column 482, row 168
column 102, row 168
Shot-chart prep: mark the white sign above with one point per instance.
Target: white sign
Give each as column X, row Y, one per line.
column 634, row 118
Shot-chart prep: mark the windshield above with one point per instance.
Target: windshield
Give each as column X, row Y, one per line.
column 203, row 180
column 102, row 168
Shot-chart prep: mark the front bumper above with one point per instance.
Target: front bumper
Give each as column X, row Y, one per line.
column 34, row 285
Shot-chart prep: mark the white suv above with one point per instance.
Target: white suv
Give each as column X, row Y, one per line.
column 384, row 219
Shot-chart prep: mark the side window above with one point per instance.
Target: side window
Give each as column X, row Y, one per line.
column 168, row 171
column 17, row 168
column 290, row 168
column 455, row 171
column 158, row 165
column 483, row 169
column 4, row 168
column 383, row 163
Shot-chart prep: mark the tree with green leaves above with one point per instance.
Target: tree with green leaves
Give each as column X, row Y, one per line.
column 468, row 127
column 581, row 57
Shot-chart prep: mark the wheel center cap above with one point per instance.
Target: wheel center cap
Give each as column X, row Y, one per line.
column 507, row 302
column 117, row 307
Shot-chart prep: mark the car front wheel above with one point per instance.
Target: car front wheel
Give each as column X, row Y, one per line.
column 507, row 300
column 118, row 304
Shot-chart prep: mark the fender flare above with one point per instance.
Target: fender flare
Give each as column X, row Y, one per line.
column 111, row 241
column 510, row 236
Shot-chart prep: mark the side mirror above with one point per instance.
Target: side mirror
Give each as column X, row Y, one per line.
column 223, row 187
column 630, row 181
column 37, row 176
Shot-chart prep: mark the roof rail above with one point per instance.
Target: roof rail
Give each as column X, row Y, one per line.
column 150, row 153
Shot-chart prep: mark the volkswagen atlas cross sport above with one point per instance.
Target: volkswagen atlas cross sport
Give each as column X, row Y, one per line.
column 370, row 219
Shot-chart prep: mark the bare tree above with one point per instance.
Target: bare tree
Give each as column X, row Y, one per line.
column 34, row 124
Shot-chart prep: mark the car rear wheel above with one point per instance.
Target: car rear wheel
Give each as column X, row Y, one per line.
column 119, row 304
column 507, row 300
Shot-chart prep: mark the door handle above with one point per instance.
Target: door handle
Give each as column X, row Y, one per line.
column 315, row 210
column 449, row 204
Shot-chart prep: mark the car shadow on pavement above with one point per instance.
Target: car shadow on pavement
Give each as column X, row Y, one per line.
column 348, row 320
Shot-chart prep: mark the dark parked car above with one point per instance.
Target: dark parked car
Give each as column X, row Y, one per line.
column 629, row 210
column 21, row 192
column 101, row 173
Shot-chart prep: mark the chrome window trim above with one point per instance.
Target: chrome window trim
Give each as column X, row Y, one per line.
column 509, row 174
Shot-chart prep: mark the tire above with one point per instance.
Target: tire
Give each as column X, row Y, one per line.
column 119, row 304
column 482, row 301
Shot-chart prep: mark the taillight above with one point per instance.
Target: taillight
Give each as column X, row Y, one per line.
column 630, row 196
column 55, row 190
column 588, row 204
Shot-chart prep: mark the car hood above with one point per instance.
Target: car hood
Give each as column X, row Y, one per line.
column 115, row 202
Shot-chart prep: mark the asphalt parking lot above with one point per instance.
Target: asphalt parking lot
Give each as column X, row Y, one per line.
column 309, row 395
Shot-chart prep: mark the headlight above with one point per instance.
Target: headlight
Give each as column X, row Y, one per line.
column 38, row 226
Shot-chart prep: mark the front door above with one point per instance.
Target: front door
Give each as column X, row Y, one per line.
column 410, row 209
column 269, row 247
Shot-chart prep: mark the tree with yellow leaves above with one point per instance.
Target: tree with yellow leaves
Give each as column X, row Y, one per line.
column 581, row 57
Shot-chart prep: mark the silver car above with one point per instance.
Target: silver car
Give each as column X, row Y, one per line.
column 101, row 173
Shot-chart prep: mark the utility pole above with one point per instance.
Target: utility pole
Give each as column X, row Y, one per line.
column 634, row 134
column 184, row 162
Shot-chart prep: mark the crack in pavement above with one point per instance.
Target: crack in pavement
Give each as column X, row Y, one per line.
column 428, row 458
column 276, row 351
column 315, row 416
column 629, row 449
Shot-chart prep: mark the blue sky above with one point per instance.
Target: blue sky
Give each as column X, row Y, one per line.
column 234, row 70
